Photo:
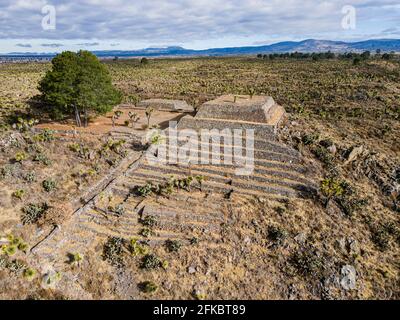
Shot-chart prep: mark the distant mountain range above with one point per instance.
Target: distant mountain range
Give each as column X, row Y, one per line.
column 309, row 45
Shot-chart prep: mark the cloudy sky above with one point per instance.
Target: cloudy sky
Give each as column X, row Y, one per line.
column 195, row 24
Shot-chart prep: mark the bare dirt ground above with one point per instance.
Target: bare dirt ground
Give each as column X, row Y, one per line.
column 103, row 124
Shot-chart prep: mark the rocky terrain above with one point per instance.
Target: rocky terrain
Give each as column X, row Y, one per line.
column 318, row 218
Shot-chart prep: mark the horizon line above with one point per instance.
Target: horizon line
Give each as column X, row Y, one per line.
column 197, row 50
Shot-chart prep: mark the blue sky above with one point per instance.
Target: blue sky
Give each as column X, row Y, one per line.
column 194, row 24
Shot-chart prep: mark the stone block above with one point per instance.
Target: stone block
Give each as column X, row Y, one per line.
column 257, row 109
column 166, row 105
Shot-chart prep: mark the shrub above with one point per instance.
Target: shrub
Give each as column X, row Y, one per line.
column 277, row 234
column 323, row 155
column 42, row 158
column 24, row 125
column 382, row 235
column 83, row 151
column 199, row 295
column 118, row 210
column 280, row 210
column 331, row 187
column 308, row 139
column 145, row 190
column 112, row 145
column 20, row 156
column 46, row 135
column 18, row 194
column 49, row 185
column 150, row 261
column 75, row 147
column 16, row 266
column 30, row 177
column 137, row 249
column 349, row 205
column 76, row 85
column 173, row 245
column 33, row 212
column 29, row 274
column 23, row 247
column 6, row 172
column 356, row 61
column 3, row 261
column 145, row 232
column 9, row 250
column 75, row 258
column 157, row 139
column 307, row 262
column 113, row 251
column 149, row 221
column 326, row 143
column 148, row 287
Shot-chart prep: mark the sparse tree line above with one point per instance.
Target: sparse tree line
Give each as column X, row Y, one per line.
column 316, row 56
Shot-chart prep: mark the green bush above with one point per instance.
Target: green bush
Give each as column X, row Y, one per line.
column 46, row 135
column 113, row 251
column 9, row 250
column 18, row 194
column 75, row 258
column 173, row 245
column 309, row 139
column 33, row 212
column 148, row 287
column 29, row 274
column 20, row 156
column 383, row 234
column 42, row 158
column 308, row 262
column 151, row 261
column 145, row 232
column 149, row 221
column 137, row 249
column 331, row 187
column 30, row 177
column 49, row 185
column 277, row 234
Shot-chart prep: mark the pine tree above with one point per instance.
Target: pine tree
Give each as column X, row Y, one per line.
column 78, row 85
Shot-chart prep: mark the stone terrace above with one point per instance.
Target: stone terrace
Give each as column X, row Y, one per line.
column 279, row 173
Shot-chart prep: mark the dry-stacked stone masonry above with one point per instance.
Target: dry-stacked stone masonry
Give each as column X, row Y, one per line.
column 279, row 173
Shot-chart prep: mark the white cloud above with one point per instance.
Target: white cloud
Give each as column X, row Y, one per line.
column 194, row 21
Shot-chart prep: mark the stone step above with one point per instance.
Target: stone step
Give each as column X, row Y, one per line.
column 218, row 182
column 260, row 130
column 184, row 201
column 230, row 172
column 244, row 143
column 163, row 209
column 283, row 166
column 196, row 157
column 129, row 183
column 170, row 222
column 222, row 175
column 184, row 215
column 291, row 167
column 104, row 232
column 166, row 105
